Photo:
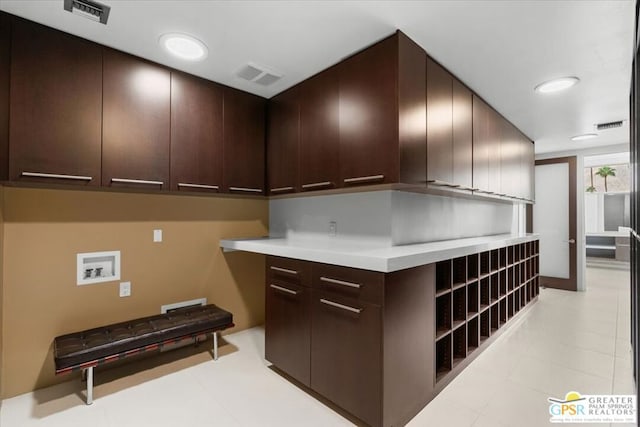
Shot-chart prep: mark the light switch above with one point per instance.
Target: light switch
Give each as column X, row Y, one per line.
column 125, row 289
column 157, row 236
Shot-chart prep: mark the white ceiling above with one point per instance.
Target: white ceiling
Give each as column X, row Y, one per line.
column 501, row 49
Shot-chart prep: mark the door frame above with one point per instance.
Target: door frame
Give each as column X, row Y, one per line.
column 570, row 284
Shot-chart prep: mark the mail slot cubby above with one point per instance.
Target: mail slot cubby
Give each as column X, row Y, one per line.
column 502, row 282
column 494, row 282
column 473, row 300
column 502, row 262
column 443, row 315
column 495, row 318
column 443, row 276
column 485, row 293
column 510, row 280
column 503, row 311
column 485, row 325
column 473, row 334
column 495, row 260
column 443, row 357
column 459, row 345
column 511, row 255
column 459, row 307
column 523, row 272
column 484, row 263
column 516, row 300
column 459, row 271
column 523, row 296
column 511, row 310
column 472, row 267
column 523, row 251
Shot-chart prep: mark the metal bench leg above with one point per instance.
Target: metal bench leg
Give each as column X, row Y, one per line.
column 89, row 372
column 215, row 346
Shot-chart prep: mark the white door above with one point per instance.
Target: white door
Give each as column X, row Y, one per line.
column 554, row 219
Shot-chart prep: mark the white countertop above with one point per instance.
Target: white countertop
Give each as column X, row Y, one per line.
column 384, row 259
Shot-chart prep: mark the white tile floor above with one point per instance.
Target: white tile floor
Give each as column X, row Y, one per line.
column 567, row 341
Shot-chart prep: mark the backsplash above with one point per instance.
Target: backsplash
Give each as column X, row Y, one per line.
column 388, row 218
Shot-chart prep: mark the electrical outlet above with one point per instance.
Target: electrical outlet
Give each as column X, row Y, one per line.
column 333, row 228
column 125, row 289
column 157, row 236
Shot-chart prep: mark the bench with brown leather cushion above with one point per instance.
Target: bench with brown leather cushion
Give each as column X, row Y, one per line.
column 87, row 349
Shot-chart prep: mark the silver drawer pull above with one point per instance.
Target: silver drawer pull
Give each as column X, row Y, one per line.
column 442, row 183
column 208, row 187
column 56, row 176
column 364, row 179
column 136, row 181
column 283, row 270
column 285, row 290
column 281, row 189
column 344, row 307
column 318, row 184
column 340, row 282
column 246, row 190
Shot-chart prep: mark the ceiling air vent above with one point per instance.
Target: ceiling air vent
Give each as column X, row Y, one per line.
column 258, row 74
column 89, row 9
column 610, row 125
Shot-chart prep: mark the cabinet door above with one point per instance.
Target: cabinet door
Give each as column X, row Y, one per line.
column 288, row 329
column 462, row 135
column 196, row 134
column 282, row 142
column 5, row 71
column 528, row 168
column 56, row 106
column 319, row 131
column 136, row 122
column 244, row 137
column 369, row 116
column 439, row 124
column 346, row 354
column 496, row 125
column 480, row 144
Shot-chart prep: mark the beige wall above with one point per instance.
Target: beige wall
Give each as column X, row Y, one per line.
column 45, row 229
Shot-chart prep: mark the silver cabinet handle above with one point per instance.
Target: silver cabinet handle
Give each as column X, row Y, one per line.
column 207, row 187
column 344, row 307
column 283, row 270
column 136, row 181
column 318, row 184
column 363, row 179
column 285, row 290
column 56, row 176
column 246, row 190
column 442, row 183
column 281, row 189
column 572, row 241
column 340, row 282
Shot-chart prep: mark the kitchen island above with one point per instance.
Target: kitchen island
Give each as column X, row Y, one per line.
column 380, row 331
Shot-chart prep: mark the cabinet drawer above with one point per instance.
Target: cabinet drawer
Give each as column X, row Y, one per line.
column 349, row 282
column 288, row 270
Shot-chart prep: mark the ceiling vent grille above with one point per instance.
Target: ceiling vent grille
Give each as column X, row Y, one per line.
column 89, row 9
column 258, row 74
column 610, row 125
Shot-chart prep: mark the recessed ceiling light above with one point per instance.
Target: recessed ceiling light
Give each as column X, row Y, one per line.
column 584, row 136
column 557, row 85
column 184, row 46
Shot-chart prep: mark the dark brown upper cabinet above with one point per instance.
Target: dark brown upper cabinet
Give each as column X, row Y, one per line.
column 481, row 137
column 494, row 148
column 244, row 142
column 136, row 122
column 5, row 72
column 283, row 136
column 196, row 134
column 462, row 135
column 382, row 107
column 439, row 125
column 56, row 105
column 319, row 131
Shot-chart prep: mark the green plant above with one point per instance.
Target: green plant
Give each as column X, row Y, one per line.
column 604, row 172
column 591, row 189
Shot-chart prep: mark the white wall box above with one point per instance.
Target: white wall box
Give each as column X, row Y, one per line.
column 98, row 267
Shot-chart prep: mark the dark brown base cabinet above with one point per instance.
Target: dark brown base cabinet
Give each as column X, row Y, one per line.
column 380, row 346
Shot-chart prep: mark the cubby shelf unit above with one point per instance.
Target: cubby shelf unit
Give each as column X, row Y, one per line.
column 477, row 295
